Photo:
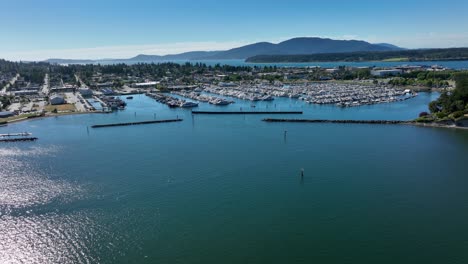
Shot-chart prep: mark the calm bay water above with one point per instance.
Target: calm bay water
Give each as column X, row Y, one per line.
column 227, row 189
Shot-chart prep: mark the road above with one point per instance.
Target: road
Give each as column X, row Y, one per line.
column 77, row 99
column 12, row 81
column 82, row 84
column 46, row 86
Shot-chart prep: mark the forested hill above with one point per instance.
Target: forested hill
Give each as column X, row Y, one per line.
column 396, row 55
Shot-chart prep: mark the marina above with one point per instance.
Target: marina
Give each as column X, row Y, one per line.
column 232, row 132
column 170, row 101
column 196, row 95
column 340, row 94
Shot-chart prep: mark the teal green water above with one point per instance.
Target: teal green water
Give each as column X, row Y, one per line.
column 227, row 189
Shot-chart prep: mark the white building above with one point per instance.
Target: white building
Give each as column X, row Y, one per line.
column 383, row 73
column 145, row 85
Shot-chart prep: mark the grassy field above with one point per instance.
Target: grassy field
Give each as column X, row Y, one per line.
column 63, row 107
column 396, row 59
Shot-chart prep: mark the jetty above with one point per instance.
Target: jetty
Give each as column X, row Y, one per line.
column 138, row 123
column 383, row 122
column 16, row 137
column 245, row 112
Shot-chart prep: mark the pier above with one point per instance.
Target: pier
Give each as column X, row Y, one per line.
column 245, row 112
column 383, row 122
column 21, row 134
column 138, row 123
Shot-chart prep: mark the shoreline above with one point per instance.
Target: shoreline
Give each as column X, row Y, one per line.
column 353, row 61
column 369, row 122
column 48, row 116
column 437, row 125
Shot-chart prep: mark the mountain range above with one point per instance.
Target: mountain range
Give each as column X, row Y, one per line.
column 294, row 46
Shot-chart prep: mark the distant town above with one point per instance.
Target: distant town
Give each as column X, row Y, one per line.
column 29, row 90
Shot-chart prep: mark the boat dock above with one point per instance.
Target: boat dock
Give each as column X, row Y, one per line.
column 246, row 112
column 138, row 123
column 21, row 134
column 389, row 122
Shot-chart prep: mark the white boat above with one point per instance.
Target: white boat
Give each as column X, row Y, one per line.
column 188, row 104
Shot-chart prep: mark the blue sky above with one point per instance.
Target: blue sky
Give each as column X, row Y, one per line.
column 33, row 29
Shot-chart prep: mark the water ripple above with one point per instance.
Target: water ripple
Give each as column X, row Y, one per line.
column 22, row 185
column 34, row 226
column 48, row 238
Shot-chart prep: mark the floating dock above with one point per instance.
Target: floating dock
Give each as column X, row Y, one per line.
column 21, row 134
column 138, row 123
column 388, row 122
column 246, row 112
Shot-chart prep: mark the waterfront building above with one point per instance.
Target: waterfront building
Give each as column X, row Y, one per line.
column 63, row 89
column 25, row 92
column 332, row 70
column 384, row 73
column 145, row 85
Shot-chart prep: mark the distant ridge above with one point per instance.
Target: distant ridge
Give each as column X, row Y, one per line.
column 294, row 46
column 390, row 46
column 191, row 55
column 140, row 58
column 66, row 61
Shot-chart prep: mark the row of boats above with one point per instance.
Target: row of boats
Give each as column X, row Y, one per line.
column 197, row 95
column 171, row 101
column 239, row 93
column 341, row 94
column 113, row 103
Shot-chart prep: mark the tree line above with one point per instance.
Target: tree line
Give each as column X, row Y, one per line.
column 406, row 55
column 452, row 103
